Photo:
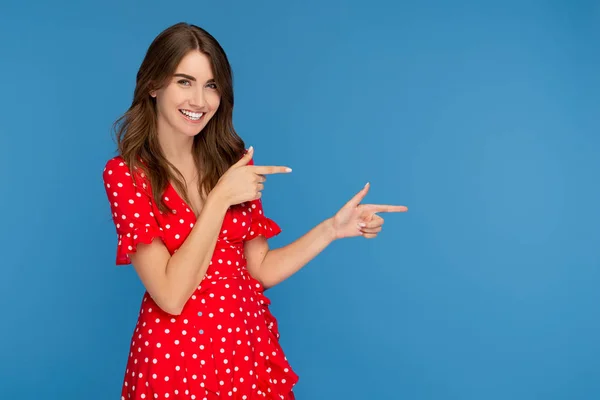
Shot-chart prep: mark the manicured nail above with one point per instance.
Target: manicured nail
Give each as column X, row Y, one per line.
column 362, row 224
column 288, row 169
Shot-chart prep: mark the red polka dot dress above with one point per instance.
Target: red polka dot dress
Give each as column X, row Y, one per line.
column 225, row 342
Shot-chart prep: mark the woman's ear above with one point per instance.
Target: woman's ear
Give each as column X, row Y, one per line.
column 152, row 88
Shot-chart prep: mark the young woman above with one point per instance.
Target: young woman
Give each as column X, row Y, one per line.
column 186, row 202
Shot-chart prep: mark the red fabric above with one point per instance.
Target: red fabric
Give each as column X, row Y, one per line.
column 225, row 343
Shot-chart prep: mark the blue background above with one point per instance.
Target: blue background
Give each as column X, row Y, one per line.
column 482, row 118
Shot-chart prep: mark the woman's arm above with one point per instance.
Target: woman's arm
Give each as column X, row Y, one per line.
column 171, row 279
column 271, row 267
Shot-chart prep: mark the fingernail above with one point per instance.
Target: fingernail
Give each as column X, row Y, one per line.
column 250, row 148
column 367, row 184
column 362, row 224
column 288, row 169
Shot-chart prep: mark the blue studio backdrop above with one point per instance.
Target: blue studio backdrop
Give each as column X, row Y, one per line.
column 481, row 117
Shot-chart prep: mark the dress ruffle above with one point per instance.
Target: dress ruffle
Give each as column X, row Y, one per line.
column 263, row 226
column 128, row 243
column 276, row 375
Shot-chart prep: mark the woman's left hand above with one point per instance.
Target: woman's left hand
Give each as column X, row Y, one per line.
column 355, row 219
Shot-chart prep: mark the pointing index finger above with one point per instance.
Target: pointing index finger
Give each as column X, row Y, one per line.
column 270, row 169
column 386, row 208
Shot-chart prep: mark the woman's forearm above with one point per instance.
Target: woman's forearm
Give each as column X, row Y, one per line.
column 186, row 268
column 279, row 264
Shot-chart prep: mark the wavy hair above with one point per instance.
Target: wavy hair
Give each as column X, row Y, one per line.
column 215, row 148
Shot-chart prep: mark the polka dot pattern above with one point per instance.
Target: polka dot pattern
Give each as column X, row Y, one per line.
column 225, row 343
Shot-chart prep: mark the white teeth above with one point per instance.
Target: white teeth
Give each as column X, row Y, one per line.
column 192, row 115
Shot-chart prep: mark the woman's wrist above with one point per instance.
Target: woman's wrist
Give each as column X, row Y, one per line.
column 216, row 201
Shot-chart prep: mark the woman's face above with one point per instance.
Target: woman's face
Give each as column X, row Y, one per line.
column 189, row 99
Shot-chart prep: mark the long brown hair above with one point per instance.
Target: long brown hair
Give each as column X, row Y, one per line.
column 215, row 149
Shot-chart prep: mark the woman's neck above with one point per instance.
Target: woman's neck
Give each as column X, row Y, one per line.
column 177, row 148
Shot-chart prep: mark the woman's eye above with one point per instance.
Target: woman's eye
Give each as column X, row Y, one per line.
column 212, row 85
column 184, row 82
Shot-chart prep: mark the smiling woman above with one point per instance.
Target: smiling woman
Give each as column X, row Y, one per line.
column 182, row 82
column 186, row 202
column 200, row 96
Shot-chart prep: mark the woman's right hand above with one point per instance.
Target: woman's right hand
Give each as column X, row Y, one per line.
column 243, row 182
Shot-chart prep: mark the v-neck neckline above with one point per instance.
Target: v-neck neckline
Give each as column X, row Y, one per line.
column 180, row 198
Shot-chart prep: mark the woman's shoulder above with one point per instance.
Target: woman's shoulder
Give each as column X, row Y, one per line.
column 116, row 170
column 115, row 163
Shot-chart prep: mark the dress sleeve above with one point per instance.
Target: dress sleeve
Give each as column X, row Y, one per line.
column 260, row 225
column 131, row 207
